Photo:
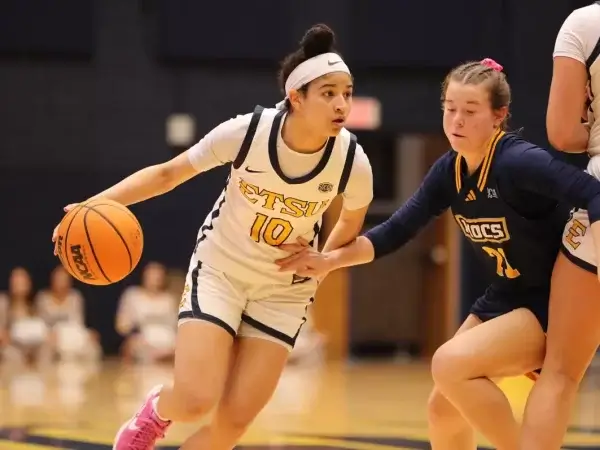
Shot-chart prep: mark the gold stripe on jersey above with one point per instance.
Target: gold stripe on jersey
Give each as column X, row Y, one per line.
column 485, row 164
column 457, row 172
column 487, row 160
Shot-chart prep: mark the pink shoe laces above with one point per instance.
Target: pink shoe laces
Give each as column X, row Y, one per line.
column 149, row 431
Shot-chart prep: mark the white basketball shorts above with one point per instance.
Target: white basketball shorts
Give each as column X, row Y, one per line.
column 578, row 242
column 266, row 311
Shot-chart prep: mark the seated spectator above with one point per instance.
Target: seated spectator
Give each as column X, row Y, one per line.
column 147, row 318
column 62, row 308
column 25, row 338
column 175, row 283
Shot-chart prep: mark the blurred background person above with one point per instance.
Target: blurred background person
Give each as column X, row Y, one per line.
column 147, row 318
column 26, row 338
column 62, row 308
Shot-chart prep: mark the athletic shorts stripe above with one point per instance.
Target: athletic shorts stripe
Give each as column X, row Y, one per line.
column 196, row 312
column 577, row 261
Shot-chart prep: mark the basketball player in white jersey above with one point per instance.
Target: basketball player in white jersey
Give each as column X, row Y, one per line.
column 239, row 315
column 574, row 323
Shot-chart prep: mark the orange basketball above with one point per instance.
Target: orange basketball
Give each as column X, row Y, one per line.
column 100, row 242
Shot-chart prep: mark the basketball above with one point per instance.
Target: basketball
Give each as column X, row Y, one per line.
column 99, row 242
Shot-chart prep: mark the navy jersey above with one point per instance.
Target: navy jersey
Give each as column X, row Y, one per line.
column 518, row 248
column 512, row 208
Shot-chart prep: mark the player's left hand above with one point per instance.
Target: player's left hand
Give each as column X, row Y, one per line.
column 304, row 261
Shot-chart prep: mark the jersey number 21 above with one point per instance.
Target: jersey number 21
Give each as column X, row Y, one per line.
column 503, row 267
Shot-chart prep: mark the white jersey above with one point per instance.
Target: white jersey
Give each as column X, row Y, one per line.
column 273, row 194
column 579, row 38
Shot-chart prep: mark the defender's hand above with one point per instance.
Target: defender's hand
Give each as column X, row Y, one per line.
column 307, row 263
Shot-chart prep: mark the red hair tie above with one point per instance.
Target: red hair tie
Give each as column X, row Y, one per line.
column 488, row 62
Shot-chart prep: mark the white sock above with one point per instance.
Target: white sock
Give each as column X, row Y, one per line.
column 154, row 406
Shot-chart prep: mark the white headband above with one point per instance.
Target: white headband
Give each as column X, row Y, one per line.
column 310, row 70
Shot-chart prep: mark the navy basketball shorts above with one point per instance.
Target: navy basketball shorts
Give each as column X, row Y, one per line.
column 494, row 304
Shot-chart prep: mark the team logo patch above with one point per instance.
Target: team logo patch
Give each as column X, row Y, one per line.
column 325, row 187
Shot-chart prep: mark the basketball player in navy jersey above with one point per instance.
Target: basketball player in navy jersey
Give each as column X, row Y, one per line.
column 506, row 195
column 239, row 315
column 574, row 317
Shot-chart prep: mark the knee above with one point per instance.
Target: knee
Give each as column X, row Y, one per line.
column 563, row 372
column 562, row 379
column 447, row 365
column 238, row 414
column 194, row 403
column 440, row 411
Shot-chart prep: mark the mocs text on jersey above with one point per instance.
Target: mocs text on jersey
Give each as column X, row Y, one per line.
column 484, row 229
column 274, row 201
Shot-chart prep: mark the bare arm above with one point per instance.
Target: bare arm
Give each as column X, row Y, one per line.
column 346, row 229
column 218, row 147
column 144, row 184
column 567, row 101
column 565, row 104
column 356, row 200
column 151, row 181
column 360, row 251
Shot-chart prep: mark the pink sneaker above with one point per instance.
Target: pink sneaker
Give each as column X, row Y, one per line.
column 142, row 430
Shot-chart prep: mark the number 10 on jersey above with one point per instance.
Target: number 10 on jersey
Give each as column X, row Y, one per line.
column 270, row 230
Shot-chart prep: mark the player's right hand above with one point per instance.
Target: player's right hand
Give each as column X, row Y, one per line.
column 66, row 209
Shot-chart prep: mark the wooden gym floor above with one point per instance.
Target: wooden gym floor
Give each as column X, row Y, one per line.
column 358, row 406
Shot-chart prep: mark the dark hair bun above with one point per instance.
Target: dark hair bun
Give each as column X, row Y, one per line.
column 318, row 40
